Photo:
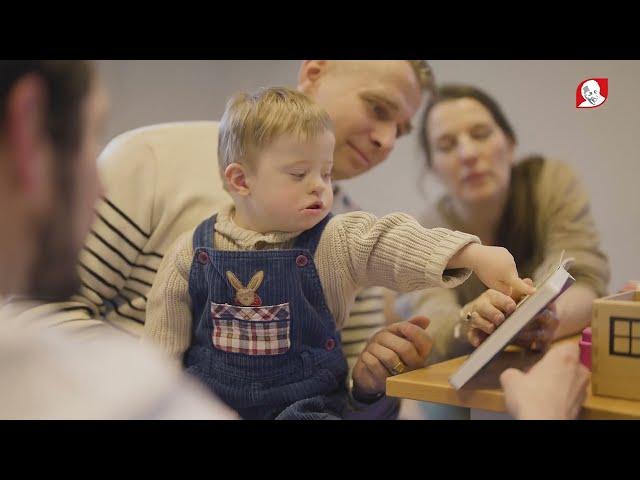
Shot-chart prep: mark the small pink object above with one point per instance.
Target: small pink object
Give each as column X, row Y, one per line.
column 585, row 348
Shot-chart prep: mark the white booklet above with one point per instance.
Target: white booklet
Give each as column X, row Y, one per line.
column 550, row 288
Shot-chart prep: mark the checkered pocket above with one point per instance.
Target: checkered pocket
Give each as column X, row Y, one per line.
column 251, row 330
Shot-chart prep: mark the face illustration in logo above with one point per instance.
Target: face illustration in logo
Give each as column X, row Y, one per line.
column 591, row 92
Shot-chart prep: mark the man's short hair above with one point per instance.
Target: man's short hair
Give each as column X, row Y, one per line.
column 424, row 73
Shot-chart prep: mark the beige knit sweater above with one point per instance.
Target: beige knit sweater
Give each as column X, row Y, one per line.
column 355, row 250
column 563, row 223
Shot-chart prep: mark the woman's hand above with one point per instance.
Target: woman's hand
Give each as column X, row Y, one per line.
column 487, row 312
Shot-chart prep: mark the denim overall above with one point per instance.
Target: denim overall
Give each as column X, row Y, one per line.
column 265, row 343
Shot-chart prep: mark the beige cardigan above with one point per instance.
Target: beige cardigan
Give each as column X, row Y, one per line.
column 563, row 221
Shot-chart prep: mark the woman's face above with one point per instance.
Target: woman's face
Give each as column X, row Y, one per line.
column 470, row 152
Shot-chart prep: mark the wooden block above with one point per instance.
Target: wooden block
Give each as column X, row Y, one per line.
column 616, row 346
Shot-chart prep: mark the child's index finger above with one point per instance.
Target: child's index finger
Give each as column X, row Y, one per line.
column 521, row 288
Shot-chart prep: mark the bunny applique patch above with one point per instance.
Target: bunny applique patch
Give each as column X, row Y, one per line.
column 246, row 296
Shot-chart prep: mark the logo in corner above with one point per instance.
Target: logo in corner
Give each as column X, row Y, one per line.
column 592, row 93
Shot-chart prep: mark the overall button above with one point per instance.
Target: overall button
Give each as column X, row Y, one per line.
column 330, row 344
column 203, row 257
column 302, row 260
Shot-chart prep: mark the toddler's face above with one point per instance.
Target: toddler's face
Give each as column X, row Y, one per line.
column 290, row 183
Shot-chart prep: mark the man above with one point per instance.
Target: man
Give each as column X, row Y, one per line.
column 51, row 115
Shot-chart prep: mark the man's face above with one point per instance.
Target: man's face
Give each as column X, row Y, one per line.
column 62, row 233
column 371, row 104
column 591, row 93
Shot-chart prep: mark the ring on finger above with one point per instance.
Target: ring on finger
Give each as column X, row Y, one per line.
column 398, row 368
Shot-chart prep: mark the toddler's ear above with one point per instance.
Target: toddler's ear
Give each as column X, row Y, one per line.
column 236, row 178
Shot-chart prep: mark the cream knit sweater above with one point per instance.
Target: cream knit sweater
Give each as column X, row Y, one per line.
column 355, row 250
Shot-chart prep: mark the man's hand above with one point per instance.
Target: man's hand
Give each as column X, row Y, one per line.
column 400, row 347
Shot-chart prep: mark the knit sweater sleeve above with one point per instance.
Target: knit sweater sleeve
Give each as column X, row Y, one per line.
column 169, row 307
column 395, row 251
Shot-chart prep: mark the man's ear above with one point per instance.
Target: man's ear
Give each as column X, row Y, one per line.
column 236, row 177
column 27, row 143
column 310, row 72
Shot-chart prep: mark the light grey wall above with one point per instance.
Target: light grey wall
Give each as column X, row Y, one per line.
column 537, row 96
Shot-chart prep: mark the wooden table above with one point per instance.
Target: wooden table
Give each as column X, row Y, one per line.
column 483, row 392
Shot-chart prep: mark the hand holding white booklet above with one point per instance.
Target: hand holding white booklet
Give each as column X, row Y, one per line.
column 549, row 289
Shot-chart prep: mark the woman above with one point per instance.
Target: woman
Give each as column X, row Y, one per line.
column 535, row 208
